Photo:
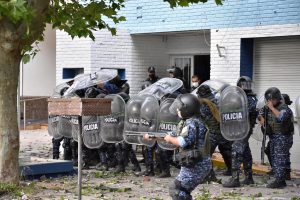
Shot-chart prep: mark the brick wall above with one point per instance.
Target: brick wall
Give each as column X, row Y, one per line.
column 144, row 16
column 228, row 68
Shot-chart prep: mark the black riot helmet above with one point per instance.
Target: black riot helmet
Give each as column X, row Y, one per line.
column 273, row 93
column 187, row 104
column 287, row 99
column 245, row 83
column 176, row 71
column 204, row 91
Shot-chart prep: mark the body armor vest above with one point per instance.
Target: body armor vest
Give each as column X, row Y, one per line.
column 285, row 127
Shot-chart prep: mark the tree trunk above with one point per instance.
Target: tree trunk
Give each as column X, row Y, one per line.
column 9, row 132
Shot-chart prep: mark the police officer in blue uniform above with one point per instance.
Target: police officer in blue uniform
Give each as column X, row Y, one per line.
column 210, row 115
column 241, row 152
column 277, row 117
column 193, row 142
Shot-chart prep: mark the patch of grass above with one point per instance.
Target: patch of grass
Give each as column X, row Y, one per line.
column 17, row 190
column 295, row 198
column 257, row 195
column 205, row 194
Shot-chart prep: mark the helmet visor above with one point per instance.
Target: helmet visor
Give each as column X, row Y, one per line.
column 246, row 85
column 177, row 104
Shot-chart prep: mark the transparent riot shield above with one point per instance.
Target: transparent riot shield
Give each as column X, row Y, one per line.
column 148, row 118
column 167, row 122
column 297, row 106
column 65, row 126
column 75, row 127
column 53, row 126
column 91, row 132
column 132, row 120
column 234, row 113
column 83, row 81
column 216, row 86
column 112, row 126
column 162, row 87
column 257, row 131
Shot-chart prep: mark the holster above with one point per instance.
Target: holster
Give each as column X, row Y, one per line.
column 188, row 158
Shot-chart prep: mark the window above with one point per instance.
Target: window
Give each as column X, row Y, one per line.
column 69, row 73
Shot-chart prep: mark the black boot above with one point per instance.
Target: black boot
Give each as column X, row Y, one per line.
column 211, row 177
column 165, row 174
column 67, row 149
column 55, row 148
column 74, row 148
column 288, row 174
column 149, row 171
column 248, row 179
column 277, row 183
column 233, row 181
column 120, row 168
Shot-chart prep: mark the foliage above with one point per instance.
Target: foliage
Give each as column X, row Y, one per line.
column 183, row 3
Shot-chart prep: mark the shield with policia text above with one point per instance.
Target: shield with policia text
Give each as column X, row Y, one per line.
column 167, row 122
column 53, row 126
column 65, row 126
column 132, row 120
column 53, row 120
column 91, row 132
column 148, row 118
column 297, row 106
column 112, row 126
column 75, row 127
column 234, row 113
column 139, row 121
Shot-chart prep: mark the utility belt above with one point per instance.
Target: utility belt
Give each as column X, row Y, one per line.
column 189, row 158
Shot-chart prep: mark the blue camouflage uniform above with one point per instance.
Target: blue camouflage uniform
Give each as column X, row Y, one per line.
column 241, row 152
column 215, row 136
column 280, row 138
column 190, row 177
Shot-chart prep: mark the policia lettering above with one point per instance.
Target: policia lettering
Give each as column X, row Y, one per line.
column 232, row 116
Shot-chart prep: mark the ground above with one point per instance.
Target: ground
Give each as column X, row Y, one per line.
column 107, row 185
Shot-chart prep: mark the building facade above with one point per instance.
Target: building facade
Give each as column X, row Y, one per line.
column 257, row 38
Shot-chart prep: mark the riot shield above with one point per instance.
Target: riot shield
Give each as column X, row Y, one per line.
column 58, row 90
column 162, row 87
column 216, row 86
column 132, row 119
column 148, row 118
column 167, row 122
column 297, row 106
column 83, row 81
column 75, row 127
column 65, row 126
column 53, row 126
column 234, row 113
column 91, row 132
column 257, row 132
column 112, row 126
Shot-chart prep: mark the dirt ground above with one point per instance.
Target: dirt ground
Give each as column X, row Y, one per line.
column 107, row 185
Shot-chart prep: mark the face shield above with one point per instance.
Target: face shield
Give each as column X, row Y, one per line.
column 246, row 85
column 177, row 104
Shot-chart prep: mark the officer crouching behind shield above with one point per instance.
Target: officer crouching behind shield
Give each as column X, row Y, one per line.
column 277, row 117
column 194, row 151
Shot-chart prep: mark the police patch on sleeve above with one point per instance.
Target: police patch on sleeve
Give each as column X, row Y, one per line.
column 184, row 131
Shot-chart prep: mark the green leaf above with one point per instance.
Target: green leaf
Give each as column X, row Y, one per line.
column 26, row 58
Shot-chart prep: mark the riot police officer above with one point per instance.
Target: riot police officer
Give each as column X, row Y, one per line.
column 210, row 115
column 193, row 141
column 277, row 117
column 241, row 152
column 152, row 78
column 176, row 72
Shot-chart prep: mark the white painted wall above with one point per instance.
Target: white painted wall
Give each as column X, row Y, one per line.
column 39, row 74
column 228, row 68
column 70, row 53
